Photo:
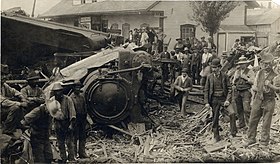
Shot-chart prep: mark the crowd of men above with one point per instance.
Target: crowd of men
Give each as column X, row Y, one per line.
column 246, row 91
column 30, row 109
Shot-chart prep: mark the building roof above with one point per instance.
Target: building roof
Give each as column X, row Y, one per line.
column 262, row 16
column 235, row 28
column 66, row 8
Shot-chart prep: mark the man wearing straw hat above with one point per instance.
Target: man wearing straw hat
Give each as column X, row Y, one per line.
column 263, row 101
column 243, row 80
column 64, row 123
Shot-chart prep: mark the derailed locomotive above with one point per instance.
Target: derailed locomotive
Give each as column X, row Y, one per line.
column 112, row 82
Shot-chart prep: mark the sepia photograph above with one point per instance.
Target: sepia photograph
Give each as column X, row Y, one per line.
column 140, row 81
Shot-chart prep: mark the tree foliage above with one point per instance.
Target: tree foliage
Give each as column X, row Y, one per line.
column 211, row 13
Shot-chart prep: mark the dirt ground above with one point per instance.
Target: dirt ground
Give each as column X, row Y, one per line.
column 182, row 139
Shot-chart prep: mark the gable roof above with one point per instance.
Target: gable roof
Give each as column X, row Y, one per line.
column 262, row 16
column 66, row 8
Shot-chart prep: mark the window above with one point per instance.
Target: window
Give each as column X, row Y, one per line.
column 89, row 1
column 85, row 22
column 187, row 31
column 125, row 30
column 114, row 26
column 77, row 2
column 96, row 23
column 144, row 25
column 104, row 25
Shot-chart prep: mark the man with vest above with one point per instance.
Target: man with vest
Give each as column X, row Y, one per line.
column 263, row 101
column 243, row 80
column 217, row 93
column 12, row 104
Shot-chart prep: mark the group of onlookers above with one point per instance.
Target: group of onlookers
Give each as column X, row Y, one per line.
column 31, row 108
column 147, row 37
column 246, row 91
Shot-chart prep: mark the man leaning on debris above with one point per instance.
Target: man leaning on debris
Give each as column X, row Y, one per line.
column 12, row 103
column 64, row 124
column 263, row 101
column 217, row 93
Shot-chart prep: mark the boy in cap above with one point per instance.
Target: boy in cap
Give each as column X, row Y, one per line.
column 64, row 124
column 243, row 80
column 81, row 120
column 217, row 93
column 263, row 101
column 183, row 85
column 11, row 109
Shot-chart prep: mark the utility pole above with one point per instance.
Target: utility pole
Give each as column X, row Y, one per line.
column 33, row 9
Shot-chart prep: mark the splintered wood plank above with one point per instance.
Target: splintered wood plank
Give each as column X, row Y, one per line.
column 217, row 146
column 147, row 145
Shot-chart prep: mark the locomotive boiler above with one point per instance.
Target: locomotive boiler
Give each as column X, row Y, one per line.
column 112, row 80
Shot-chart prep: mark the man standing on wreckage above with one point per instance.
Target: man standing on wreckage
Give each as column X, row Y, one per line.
column 263, row 101
column 217, row 93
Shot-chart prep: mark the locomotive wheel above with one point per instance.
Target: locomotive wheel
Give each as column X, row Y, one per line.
column 109, row 100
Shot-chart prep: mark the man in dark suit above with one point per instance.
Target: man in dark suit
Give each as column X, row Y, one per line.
column 217, row 93
column 183, row 85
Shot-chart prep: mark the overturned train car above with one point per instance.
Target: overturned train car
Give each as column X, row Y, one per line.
column 112, row 82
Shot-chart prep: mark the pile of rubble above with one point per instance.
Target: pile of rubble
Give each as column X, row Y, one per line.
column 182, row 139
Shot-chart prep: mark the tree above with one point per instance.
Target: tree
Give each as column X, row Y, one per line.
column 211, row 13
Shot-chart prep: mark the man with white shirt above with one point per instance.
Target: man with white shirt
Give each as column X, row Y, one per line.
column 205, row 62
column 243, row 80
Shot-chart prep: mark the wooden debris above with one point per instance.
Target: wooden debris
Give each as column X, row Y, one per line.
column 217, row 146
column 119, row 129
column 147, row 145
column 136, row 128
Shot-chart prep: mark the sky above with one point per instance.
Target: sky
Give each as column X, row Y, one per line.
column 41, row 5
